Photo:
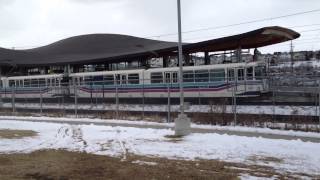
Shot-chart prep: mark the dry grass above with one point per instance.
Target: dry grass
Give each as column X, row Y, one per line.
column 16, row 134
column 47, row 165
column 64, row 165
column 266, row 159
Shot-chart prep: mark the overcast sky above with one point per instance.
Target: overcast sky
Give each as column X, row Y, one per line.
column 33, row 23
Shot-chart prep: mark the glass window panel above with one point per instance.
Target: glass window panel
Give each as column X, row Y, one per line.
column 42, row 82
column 27, row 83
column 201, row 76
column 174, row 77
column 108, row 79
column 88, row 80
column 98, row 80
column 230, row 74
column 133, row 78
column 123, row 79
column 34, row 83
column 188, row 76
column 240, row 74
column 12, row 83
column 217, row 75
column 156, row 77
column 249, row 73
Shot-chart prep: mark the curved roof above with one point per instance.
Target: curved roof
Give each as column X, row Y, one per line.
column 95, row 48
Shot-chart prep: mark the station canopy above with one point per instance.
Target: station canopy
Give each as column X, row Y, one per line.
column 112, row 48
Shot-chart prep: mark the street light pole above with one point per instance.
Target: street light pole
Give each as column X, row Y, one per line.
column 182, row 122
column 180, row 58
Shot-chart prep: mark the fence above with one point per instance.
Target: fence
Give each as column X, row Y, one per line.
column 292, row 104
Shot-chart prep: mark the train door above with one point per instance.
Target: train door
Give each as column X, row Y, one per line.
column 121, row 79
column 241, row 86
column 167, row 77
column 231, row 75
column 171, row 77
column 240, row 74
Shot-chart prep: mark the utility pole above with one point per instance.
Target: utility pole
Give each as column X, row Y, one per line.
column 180, row 58
column 291, row 56
column 182, row 122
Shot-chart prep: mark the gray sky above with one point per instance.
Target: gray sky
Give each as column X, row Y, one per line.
column 32, row 23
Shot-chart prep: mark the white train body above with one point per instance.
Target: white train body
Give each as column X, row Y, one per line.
column 208, row 81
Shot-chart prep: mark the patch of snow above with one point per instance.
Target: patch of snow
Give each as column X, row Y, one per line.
column 144, row 163
column 169, row 125
column 251, row 177
column 296, row 156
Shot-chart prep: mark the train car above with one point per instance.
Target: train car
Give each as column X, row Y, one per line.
column 108, row 84
column 33, row 86
column 207, row 81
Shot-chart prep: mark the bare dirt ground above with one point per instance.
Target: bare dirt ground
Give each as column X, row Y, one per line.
column 16, row 134
column 64, row 165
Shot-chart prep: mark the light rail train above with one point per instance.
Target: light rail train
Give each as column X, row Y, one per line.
column 206, row 81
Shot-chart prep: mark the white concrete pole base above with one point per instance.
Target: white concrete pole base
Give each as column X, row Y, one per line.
column 182, row 125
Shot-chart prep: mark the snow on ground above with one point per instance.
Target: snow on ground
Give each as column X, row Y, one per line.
column 241, row 109
column 169, row 125
column 294, row 155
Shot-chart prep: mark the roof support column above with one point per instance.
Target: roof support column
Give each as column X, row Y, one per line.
column 165, row 61
column 239, row 54
column 206, row 58
column 186, row 59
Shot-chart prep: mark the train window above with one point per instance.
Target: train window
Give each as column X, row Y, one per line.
column 123, row 78
column 217, row 75
column 48, row 82
column 34, row 83
column 156, row 77
column 249, row 73
column 26, row 83
column 19, row 83
column 133, row 78
column 88, row 80
column 12, row 83
column 108, row 79
column 240, row 74
column 57, row 82
column 201, row 76
column 174, row 77
column 81, row 81
column 117, row 78
column 98, row 80
column 259, row 72
column 42, row 82
column 188, row 76
column 167, row 77
column 230, row 74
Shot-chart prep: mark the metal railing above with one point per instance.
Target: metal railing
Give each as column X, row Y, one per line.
column 94, row 98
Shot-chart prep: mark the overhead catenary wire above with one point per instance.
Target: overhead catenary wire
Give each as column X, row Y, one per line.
column 237, row 24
